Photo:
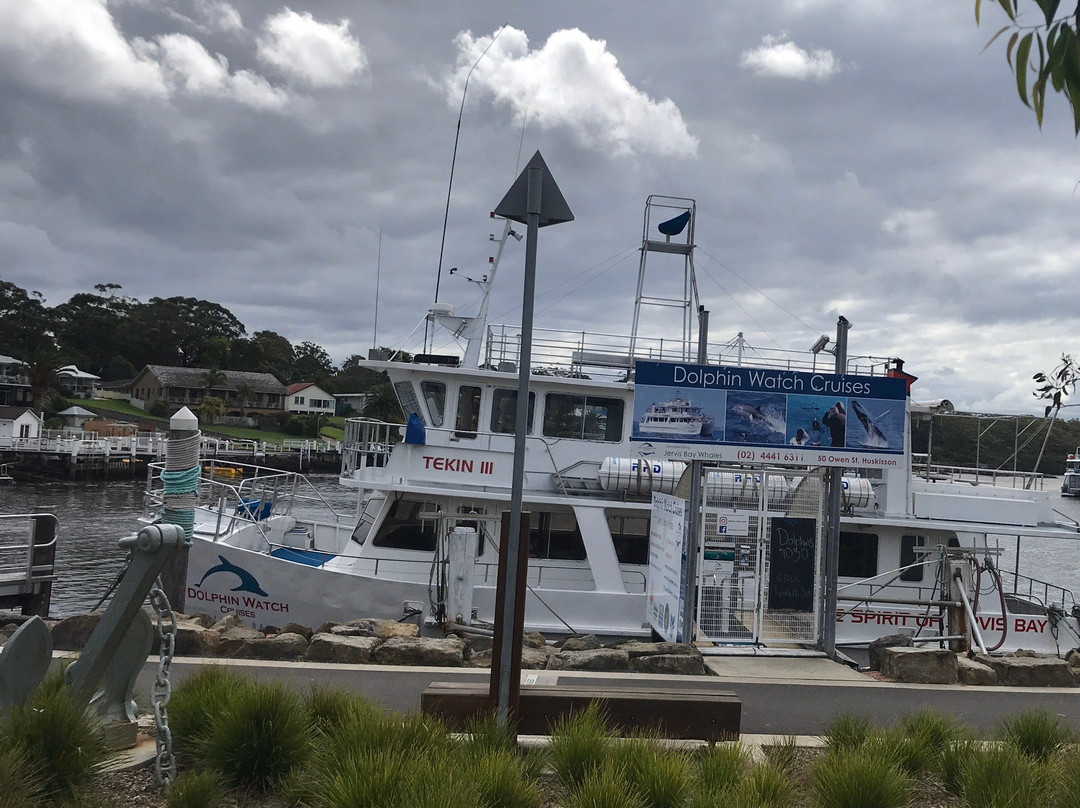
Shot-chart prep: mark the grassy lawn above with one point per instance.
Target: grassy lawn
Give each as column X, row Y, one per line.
column 122, row 408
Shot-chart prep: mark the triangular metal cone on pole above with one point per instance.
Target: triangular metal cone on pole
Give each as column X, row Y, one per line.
column 535, row 200
column 553, row 208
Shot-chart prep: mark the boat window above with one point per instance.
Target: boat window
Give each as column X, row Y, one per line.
column 858, row 555
column 468, row 411
column 555, row 535
column 631, row 537
column 435, row 398
column 584, row 417
column 504, row 411
column 402, row 528
column 406, row 396
column 911, row 551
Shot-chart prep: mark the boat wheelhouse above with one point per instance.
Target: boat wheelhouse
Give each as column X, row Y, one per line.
column 1070, row 483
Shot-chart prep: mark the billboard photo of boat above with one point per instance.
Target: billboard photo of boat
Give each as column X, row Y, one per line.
column 678, row 417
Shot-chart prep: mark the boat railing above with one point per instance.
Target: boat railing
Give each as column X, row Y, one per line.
column 1042, row 593
column 890, row 588
column 243, row 492
column 580, row 353
column 1006, row 478
column 367, row 444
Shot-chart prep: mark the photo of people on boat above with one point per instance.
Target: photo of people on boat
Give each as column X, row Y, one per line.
column 816, row 421
column 753, row 417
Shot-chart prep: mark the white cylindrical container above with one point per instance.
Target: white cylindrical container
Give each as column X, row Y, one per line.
column 640, row 475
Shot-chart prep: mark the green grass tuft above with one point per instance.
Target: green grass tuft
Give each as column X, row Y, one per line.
column 953, row 762
column 1065, row 775
column 370, row 778
column 260, row 736
column 859, row 779
column 580, row 743
column 662, row 777
column 21, row 781
column 56, row 733
column 196, row 789
column 847, row 732
column 719, row 768
column 783, row 755
column 604, row 787
column 1035, row 733
column 765, row 787
column 1004, row 777
column 501, row 782
column 197, row 701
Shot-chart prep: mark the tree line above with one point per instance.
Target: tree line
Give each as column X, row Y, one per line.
column 114, row 336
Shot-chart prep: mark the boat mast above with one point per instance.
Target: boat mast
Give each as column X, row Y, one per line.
column 474, row 329
column 674, row 218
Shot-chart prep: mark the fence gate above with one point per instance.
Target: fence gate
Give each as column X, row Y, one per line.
column 760, row 558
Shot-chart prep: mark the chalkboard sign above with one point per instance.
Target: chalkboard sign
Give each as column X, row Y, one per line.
column 792, row 552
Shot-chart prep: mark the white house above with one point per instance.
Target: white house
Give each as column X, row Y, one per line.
column 307, row 398
column 77, row 383
column 18, row 423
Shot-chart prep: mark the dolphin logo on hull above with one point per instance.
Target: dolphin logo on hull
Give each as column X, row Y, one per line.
column 248, row 583
column 874, row 436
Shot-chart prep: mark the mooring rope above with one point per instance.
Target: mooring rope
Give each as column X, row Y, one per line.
column 181, row 482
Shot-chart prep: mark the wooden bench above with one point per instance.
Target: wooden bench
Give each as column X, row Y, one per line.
column 690, row 713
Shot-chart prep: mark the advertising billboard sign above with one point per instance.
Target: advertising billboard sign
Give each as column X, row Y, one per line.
column 667, row 565
column 773, row 417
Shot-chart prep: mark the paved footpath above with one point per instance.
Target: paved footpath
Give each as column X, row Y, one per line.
column 780, row 696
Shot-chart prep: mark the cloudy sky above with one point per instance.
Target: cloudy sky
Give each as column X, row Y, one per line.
column 856, row 158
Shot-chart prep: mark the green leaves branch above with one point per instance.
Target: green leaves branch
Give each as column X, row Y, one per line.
column 1058, row 48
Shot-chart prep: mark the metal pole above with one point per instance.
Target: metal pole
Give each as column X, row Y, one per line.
column 832, row 536
column 514, row 549
column 696, row 470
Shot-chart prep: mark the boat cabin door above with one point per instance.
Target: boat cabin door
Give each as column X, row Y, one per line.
column 760, row 557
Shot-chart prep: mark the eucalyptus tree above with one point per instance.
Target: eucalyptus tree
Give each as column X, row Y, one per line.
column 1043, row 50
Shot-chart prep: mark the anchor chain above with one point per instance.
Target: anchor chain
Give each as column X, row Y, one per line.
column 161, row 689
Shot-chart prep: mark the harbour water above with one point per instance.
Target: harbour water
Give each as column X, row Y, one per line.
column 93, row 514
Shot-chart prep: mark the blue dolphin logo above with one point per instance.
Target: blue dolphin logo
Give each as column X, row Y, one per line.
column 247, row 580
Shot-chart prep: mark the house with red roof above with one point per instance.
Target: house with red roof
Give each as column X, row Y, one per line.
column 305, row 398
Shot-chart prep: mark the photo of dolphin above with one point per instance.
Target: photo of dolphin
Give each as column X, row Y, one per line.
column 247, row 580
column 751, row 414
column 874, row 436
column 755, row 418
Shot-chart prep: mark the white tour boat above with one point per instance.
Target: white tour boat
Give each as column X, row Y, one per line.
column 1070, row 483
column 430, row 499
column 677, row 416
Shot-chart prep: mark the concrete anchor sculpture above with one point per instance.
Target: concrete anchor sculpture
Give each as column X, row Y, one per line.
column 116, row 650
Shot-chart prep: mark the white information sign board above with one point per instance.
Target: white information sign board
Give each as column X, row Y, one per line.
column 667, row 565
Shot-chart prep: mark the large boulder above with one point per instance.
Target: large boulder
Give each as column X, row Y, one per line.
column 636, row 648
column 296, row 628
column 195, row 639
column 1030, row 671
column 233, row 639
column 444, row 653
column 533, row 639
column 288, row 647
column 71, row 633
column 374, row 627
column 579, row 642
column 598, row 659
column 930, row 666
column 328, row 647
column 680, row 664
column 973, row 672
column 888, row 641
